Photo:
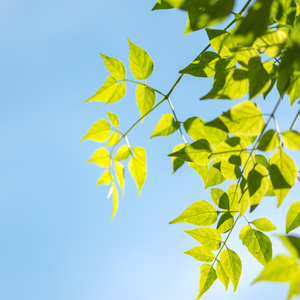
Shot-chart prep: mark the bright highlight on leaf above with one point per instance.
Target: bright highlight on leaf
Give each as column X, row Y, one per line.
column 123, row 153
column 101, row 158
column 113, row 119
column 115, row 67
column 138, row 171
column 269, row 141
column 291, row 139
column 145, row 98
column 106, row 178
column 166, row 126
column 99, row 132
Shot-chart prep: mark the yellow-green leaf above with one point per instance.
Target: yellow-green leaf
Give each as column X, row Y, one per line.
column 292, row 243
column 195, row 128
column 114, row 138
column 230, row 171
column 225, row 223
column 220, row 41
column 114, row 66
column 207, row 237
column 99, row 132
column 118, row 94
column 201, row 170
column 123, row 153
column 291, row 139
column 220, row 198
column 258, row 244
column 214, row 176
column 106, row 91
column 295, row 285
column 113, row 118
column 200, row 213
column 138, row 171
column 115, row 200
column 145, row 98
column 208, row 276
column 177, row 162
column 264, row 224
column 283, row 173
column 222, row 275
column 120, row 175
column 269, row 141
column 232, row 265
column 293, row 217
column 101, row 158
column 201, row 253
column 140, row 154
column 161, row 4
column 106, row 178
column 234, row 194
column 165, row 126
column 197, row 152
column 140, row 62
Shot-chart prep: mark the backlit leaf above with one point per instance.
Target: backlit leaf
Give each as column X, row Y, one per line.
column 293, row 217
column 197, row 152
column 177, row 162
column 264, row 224
column 138, row 171
column 101, row 158
column 222, row 275
column 234, row 194
column 281, row 269
column 201, row 170
column 293, row 89
column 288, row 14
column 200, row 213
column 145, row 98
column 195, row 128
column 120, row 175
column 99, row 132
column 219, row 40
column 207, row 237
column 140, row 154
column 118, row 94
column 232, row 265
column 283, row 173
column 292, row 243
column 113, row 118
column 106, row 91
column 258, row 244
column 208, row 276
column 225, row 223
column 220, row 198
column 114, row 138
column 123, row 153
column 140, row 62
column 115, row 200
column 295, row 285
column 230, row 171
column 106, row 178
column 203, row 66
column 165, row 126
column 269, row 141
column 161, row 4
column 291, row 139
column 201, row 253
column 214, row 175
column 114, row 66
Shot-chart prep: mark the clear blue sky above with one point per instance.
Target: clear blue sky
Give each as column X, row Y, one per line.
column 56, row 239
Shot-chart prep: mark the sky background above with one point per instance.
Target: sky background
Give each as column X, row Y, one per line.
column 57, row 241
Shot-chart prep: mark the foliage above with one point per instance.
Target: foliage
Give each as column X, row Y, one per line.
column 248, row 59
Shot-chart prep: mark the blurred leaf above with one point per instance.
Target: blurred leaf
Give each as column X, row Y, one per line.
column 293, row 217
column 291, row 139
column 177, row 162
column 114, row 67
column 113, row 118
column 161, row 4
column 115, row 201
column 165, row 126
column 123, row 153
column 292, row 243
column 295, row 285
column 118, row 94
column 140, row 154
column 114, row 138
column 201, row 253
column 99, row 132
column 284, row 11
column 220, row 41
column 101, row 158
column 120, row 175
column 106, row 178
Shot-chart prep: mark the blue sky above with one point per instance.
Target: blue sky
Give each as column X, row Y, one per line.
column 56, row 238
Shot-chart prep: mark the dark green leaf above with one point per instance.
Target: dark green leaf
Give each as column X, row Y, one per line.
column 292, row 243
column 220, row 198
column 161, row 4
column 177, row 162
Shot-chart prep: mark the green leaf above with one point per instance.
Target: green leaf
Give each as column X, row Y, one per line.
column 225, row 223
column 220, row 41
column 161, row 4
column 292, row 243
column 233, row 84
column 258, row 244
column 295, row 285
column 99, row 132
column 145, row 98
column 201, row 253
column 244, row 201
column 140, row 154
column 283, row 173
column 101, row 158
column 230, row 171
column 197, row 152
column 118, row 94
column 207, row 277
column 186, row 4
column 242, row 119
column 207, row 237
column 214, row 175
column 246, row 56
column 200, row 213
column 232, row 265
column 291, row 139
column 269, row 141
column 114, row 138
column 106, row 91
column 120, row 175
column 123, row 153
column 106, row 178
column 220, row 198
column 270, row 67
column 165, row 126
column 195, row 128
column 209, row 14
column 281, row 269
column 249, row 140
column 293, row 89
column 215, row 135
column 250, row 28
column 114, row 67
column 234, row 194
column 222, row 275
column 293, row 217
column 272, row 42
column 262, row 160
column 113, row 118
column 138, row 171
column 177, row 162
column 270, row 191
column 288, row 11
column 258, row 182
column 140, row 62
column 115, row 201
column 264, row 224
column 203, row 66
column 233, row 150
column 201, row 170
